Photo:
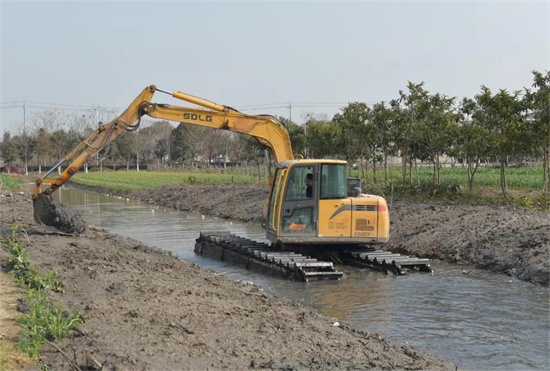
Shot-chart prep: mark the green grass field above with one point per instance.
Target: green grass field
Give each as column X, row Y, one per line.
column 528, row 178
column 518, row 178
column 134, row 181
column 9, row 183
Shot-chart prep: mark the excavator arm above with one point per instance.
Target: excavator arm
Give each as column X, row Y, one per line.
column 267, row 129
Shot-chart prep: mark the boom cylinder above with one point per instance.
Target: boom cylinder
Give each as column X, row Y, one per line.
column 199, row 101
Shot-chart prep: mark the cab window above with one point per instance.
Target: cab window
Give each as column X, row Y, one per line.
column 333, row 181
column 297, row 188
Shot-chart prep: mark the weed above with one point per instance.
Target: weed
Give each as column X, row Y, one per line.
column 24, row 272
column 45, row 320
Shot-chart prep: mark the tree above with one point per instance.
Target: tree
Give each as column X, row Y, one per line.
column 320, row 138
column 351, row 122
column 24, row 147
column 43, row 148
column 197, row 136
column 142, row 143
column 382, row 121
column 538, row 105
column 51, row 121
column 178, row 143
column 7, row 148
column 123, row 148
column 472, row 143
column 296, row 133
column 162, row 131
column 502, row 113
column 440, row 129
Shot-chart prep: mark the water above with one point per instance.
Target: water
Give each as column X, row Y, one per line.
column 478, row 321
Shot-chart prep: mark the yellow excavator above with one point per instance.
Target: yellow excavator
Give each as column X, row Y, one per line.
column 313, row 208
column 311, row 202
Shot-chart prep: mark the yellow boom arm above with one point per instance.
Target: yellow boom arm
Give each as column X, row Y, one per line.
column 267, row 129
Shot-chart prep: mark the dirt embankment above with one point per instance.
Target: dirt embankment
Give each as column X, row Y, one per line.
column 144, row 309
column 514, row 242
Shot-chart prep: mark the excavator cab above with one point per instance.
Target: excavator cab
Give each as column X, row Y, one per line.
column 311, row 202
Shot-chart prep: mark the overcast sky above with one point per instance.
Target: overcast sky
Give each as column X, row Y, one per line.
column 258, row 53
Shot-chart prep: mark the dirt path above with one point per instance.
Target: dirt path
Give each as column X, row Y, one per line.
column 9, row 329
column 145, row 309
column 514, row 242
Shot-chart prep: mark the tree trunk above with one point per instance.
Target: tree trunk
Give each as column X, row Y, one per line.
column 385, row 169
column 404, row 167
column 137, row 161
column 410, row 170
column 39, row 168
column 471, row 171
column 374, row 170
column 86, row 168
column 26, row 160
column 128, row 163
column 546, row 170
column 503, row 177
column 436, row 171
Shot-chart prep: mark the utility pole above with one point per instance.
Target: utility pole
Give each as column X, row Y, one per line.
column 25, row 138
column 290, row 111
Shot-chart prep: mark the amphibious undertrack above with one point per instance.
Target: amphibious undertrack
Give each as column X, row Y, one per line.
column 264, row 258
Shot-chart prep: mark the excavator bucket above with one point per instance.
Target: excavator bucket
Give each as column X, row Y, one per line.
column 50, row 213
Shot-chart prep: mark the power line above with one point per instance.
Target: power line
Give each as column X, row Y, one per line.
column 41, row 104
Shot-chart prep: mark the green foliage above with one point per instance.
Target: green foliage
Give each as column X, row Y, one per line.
column 8, row 151
column 320, row 138
column 351, row 122
column 44, row 320
column 179, row 145
column 24, row 272
column 296, row 133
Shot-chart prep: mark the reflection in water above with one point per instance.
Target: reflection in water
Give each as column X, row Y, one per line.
column 479, row 321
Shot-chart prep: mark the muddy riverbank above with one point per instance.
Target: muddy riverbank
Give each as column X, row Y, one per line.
column 144, row 309
column 503, row 240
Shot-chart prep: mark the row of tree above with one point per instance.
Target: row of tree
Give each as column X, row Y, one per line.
column 417, row 126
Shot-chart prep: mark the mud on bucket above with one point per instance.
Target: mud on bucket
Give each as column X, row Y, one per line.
column 55, row 214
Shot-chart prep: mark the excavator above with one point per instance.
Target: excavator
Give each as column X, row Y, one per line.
column 312, row 205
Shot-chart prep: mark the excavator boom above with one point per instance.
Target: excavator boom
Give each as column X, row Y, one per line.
column 266, row 129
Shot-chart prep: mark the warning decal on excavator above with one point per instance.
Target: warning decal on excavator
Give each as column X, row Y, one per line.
column 296, row 227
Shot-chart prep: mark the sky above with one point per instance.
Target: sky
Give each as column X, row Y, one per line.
column 260, row 56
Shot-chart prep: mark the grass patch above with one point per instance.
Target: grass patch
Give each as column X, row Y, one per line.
column 453, row 194
column 45, row 320
column 9, row 182
column 135, row 181
column 526, row 178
